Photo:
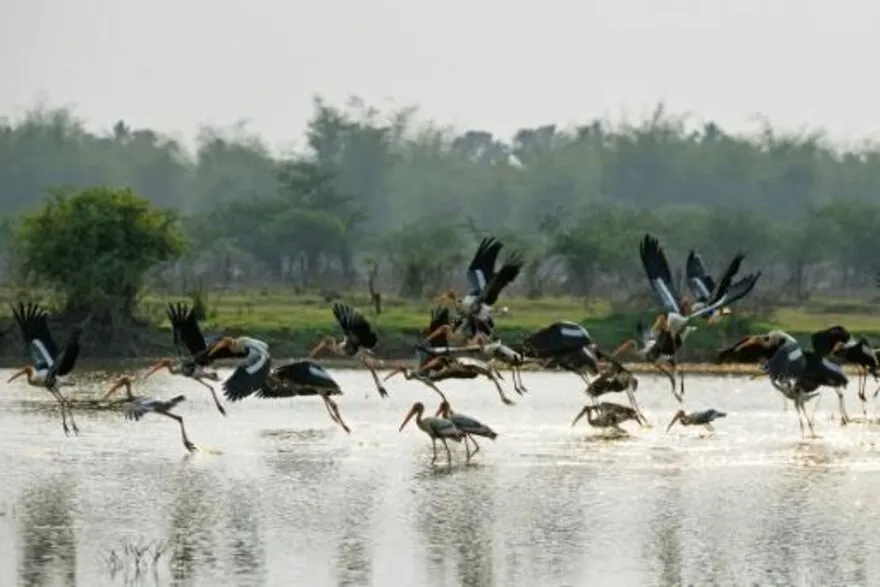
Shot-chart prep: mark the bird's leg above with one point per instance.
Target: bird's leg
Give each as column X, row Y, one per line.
column 333, row 410
column 513, row 378
column 671, row 377
column 710, row 428
column 679, row 371
column 504, row 398
column 467, row 449
column 434, row 446
column 186, row 442
column 435, row 388
column 448, row 453
column 213, row 395
column 441, row 330
column 368, row 363
column 844, row 417
column 476, row 446
column 65, row 404
column 809, row 421
column 517, row 370
column 635, row 405
column 62, row 403
column 863, row 383
column 797, row 408
column 430, row 365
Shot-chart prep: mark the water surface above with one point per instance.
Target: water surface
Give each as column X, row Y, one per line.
column 292, row 500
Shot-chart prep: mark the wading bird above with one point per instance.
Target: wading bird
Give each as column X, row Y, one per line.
column 139, row 407
column 614, row 379
column 50, row 364
column 659, row 348
column 485, row 286
column 755, row 348
column 443, row 366
column 358, row 342
column 192, row 348
column 797, row 374
column 435, row 428
column 859, row 353
column 303, row 378
column 704, row 418
column 677, row 314
column 251, row 373
column 703, row 287
column 608, row 415
column 470, row 426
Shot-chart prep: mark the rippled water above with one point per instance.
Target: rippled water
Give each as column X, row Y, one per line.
column 291, row 500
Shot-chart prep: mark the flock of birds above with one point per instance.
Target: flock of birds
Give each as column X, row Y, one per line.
column 460, row 343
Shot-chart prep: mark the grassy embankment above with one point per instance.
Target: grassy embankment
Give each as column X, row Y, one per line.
column 292, row 324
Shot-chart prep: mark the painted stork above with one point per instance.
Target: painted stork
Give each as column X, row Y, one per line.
column 566, row 345
column 755, row 348
column 485, row 286
column 704, row 418
column 614, row 379
column 428, row 364
column 443, row 366
column 677, row 316
column 703, row 287
column 192, row 348
column 496, row 352
column 435, row 428
column 359, row 341
column 302, row 378
column 139, row 407
column 251, row 372
column 607, row 415
column 50, row 364
column 798, row 374
column 658, row 348
column 470, row 426
column 838, row 343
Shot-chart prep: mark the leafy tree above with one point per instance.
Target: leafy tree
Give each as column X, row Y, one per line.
column 95, row 246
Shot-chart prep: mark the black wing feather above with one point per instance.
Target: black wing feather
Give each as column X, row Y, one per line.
column 185, row 327
column 355, row 325
column 503, row 278
column 34, row 324
column 824, row 340
column 302, row 377
column 484, row 261
column 727, row 277
column 242, row 384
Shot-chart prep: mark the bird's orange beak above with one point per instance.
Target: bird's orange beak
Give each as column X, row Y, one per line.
column 163, row 364
column 122, row 382
column 412, row 412
column 443, row 410
column 318, row 348
column 580, row 415
column 625, row 346
column 223, row 343
column 675, row 419
column 18, row 374
column 750, row 341
column 837, row 347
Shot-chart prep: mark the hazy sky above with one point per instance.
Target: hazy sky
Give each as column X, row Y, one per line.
column 490, row 64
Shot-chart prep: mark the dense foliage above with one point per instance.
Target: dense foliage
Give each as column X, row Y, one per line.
column 95, row 246
column 411, row 196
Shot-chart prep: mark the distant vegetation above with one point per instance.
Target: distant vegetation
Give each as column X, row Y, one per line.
column 403, row 201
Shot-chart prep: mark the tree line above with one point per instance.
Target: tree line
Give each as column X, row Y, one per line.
column 403, row 200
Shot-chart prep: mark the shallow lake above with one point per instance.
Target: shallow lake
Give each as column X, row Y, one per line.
column 284, row 497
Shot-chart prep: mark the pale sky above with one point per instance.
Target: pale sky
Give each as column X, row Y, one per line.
column 496, row 65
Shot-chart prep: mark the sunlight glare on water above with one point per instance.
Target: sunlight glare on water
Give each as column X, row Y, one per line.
column 289, row 499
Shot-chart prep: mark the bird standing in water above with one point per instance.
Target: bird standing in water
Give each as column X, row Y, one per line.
column 704, row 418
column 470, row 426
column 435, row 428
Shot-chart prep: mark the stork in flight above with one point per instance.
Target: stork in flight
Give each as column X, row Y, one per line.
column 251, row 373
column 50, row 363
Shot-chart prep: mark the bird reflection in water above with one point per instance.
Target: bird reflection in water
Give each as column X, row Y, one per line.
column 192, row 516
column 47, row 534
column 456, row 525
column 353, row 555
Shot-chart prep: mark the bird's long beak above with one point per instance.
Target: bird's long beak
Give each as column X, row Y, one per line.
column 407, row 419
column 163, row 364
column 837, row 347
column 675, row 419
column 750, row 341
column 443, row 410
column 17, row 375
column 222, row 344
column 322, row 344
column 399, row 370
column 625, row 346
column 580, row 415
column 116, row 386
